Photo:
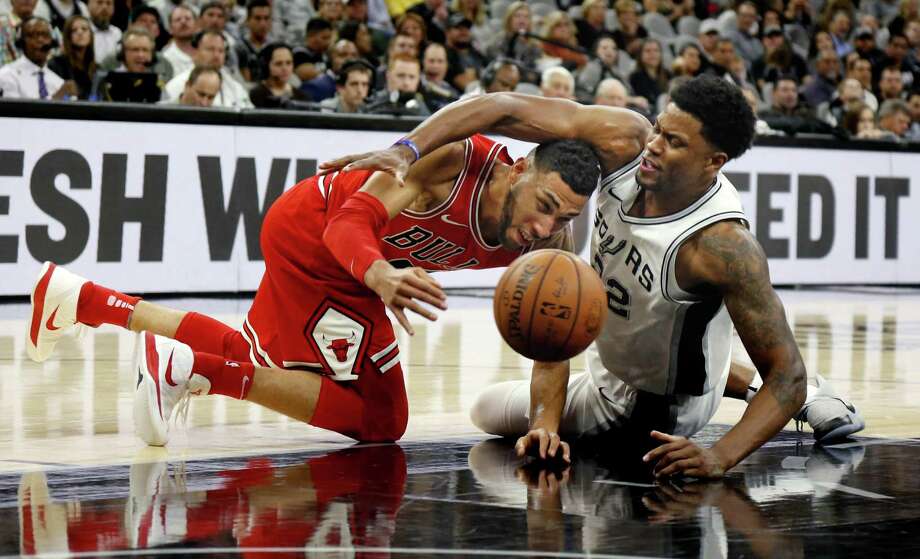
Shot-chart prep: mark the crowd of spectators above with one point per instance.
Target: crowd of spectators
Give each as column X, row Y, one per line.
column 850, row 68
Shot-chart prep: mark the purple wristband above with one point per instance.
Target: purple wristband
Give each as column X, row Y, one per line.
column 411, row 145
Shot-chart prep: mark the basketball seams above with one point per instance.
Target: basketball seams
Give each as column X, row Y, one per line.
column 536, row 298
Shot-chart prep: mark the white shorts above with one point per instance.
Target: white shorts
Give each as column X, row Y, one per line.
column 591, row 407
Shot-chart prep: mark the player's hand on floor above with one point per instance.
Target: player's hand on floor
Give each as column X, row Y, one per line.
column 543, row 444
column 402, row 289
column 395, row 160
column 678, row 456
column 670, row 501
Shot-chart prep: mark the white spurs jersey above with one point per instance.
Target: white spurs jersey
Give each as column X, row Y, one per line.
column 657, row 337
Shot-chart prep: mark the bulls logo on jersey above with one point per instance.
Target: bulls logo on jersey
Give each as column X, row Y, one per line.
column 340, row 338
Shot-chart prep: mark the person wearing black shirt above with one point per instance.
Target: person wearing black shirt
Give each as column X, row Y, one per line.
column 275, row 91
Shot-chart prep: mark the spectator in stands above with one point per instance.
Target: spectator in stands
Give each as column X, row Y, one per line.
column 360, row 12
column 605, row 64
column 630, row 33
column 650, row 78
column 894, row 117
column 502, row 74
column 213, row 17
column 255, row 35
column 824, row 84
column 57, row 11
column 211, row 50
column 290, row 18
column 864, row 41
column 861, row 70
column 800, row 12
column 434, row 14
column 689, row 62
column 849, row 93
column 323, row 86
column 908, row 10
column 352, row 88
column 883, row 10
column 761, row 128
column 149, row 18
column 591, row 25
column 898, row 54
column 165, row 8
column 611, row 93
column 890, row 85
column 135, row 57
column 201, row 88
column 475, row 11
column 722, row 59
column 513, row 44
column 788, row 113
column 401, row 96
column 464, row 62
column 414, row 26
column 435, row 88
column 747, row 45
column 20, row 10
column 359, row 34
column 181, row 51
column 708, row 38
column 77, row 60
column 839, row 28
column 275, row 90
column 560, row 45
column 399, row 45
column 859, row 122
column 778, row 59
column 311, row 59
column 105, row 35
column 913, row 103
column 332, row 11
column 29, row 77
column 557, row 82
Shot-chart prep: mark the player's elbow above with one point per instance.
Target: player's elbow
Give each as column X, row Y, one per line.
column 798, row 385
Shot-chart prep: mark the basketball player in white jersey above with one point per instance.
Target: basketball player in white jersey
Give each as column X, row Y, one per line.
column 672, row 246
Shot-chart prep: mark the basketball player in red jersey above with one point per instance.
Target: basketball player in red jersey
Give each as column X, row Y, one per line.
column 659, row 192
column 338, row 250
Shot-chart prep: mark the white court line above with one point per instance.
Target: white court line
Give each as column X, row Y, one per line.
column 331, row 549
column 850, row 490
column 629, row 483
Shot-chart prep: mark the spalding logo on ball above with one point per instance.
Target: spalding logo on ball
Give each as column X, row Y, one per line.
column 549, row 305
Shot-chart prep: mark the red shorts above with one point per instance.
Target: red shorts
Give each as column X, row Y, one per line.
column 311, row 314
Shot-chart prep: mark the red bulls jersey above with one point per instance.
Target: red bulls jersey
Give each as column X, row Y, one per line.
column 447, row 236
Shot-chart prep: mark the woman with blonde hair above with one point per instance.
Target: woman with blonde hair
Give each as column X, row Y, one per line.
column 77, row 60
column 513, row 42
column 559, row 34
column 592, row 23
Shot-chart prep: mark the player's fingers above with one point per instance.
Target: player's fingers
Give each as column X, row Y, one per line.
column 415, row 293
column 566, row 452
column 674, row 456
column 553, row 445
column 657, row 452
column 678, row 467
column 340, row 162
column 403, row 321
column 411, row 305
column 522, row 445
column 423, row 275
column 544, row 443
column 666, row 437
column 428, row 286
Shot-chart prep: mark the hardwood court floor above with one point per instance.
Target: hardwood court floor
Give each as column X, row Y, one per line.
column 66, row 438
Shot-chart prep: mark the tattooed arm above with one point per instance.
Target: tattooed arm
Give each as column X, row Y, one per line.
column 725, row 259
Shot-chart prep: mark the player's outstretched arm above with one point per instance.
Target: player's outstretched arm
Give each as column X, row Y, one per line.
column 618, row 135
column 548, row 389
column 727, row 259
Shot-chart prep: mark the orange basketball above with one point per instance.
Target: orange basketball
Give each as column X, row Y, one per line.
column 549, row 305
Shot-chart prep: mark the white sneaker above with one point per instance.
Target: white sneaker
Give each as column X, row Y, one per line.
column 830, row 416
column 54, row 309
column 164, row 382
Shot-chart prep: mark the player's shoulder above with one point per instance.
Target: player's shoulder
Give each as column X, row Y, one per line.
column 722, row 255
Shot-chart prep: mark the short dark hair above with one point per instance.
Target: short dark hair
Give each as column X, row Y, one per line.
column 253, row 4
column 574, row 160
column 318, row 24
column 727, row 119
column 213, row 4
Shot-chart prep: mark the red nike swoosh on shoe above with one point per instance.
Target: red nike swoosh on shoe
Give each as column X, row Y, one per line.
column 49, row 324
column 169, row 379
column 38, row 303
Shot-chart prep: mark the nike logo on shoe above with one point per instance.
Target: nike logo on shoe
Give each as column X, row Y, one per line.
column 169, row 379
column 447, row 219
column 49, row 324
